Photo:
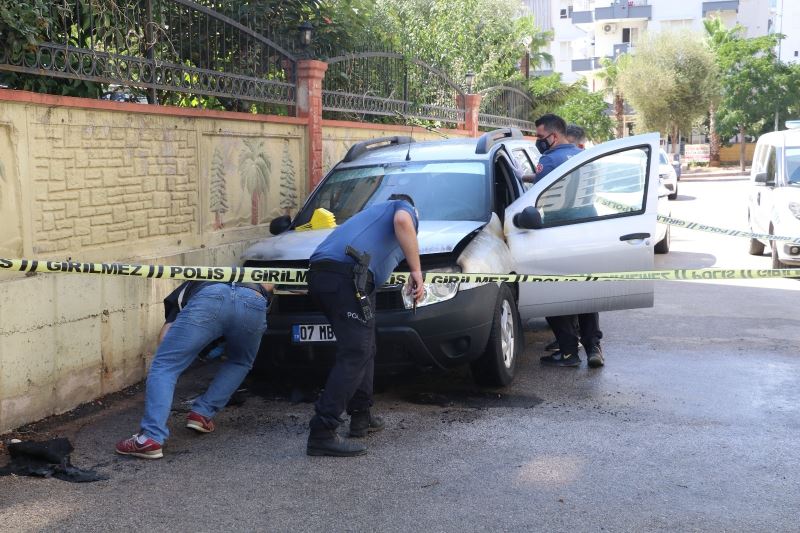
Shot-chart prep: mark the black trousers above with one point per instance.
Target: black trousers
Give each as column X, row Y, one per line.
column 349, row 384
column 571, row 328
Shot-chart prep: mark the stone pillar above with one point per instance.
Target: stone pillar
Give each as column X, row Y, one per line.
column 310, row 74
column 472, row 104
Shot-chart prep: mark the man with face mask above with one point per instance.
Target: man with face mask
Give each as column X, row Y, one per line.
column 551, row 141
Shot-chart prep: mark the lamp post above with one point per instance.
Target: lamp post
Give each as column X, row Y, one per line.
column 305, row 33
column 469, row 78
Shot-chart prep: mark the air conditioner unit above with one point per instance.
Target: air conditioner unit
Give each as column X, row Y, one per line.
column 609, row 28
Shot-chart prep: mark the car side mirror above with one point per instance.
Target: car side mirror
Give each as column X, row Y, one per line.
column 280, row 224
column 761, row 177
column 529, row 218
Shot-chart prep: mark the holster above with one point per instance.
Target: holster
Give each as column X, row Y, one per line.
column 360, row 279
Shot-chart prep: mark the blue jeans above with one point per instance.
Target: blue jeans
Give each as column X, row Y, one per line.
column 237, row 313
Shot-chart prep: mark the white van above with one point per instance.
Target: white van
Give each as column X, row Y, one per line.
column 774, row 203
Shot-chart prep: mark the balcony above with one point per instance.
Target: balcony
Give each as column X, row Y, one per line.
column 725, row 5
column 584, row 65
column 622, row 48
column 582, row 17
column 626, row 10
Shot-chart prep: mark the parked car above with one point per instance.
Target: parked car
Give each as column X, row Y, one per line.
column 667, row 174
column 774, row 194
column 475, row 216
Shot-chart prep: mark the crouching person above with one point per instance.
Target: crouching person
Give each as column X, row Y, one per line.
column 197, row 313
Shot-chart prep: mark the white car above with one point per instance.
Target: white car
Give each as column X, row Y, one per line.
column 667, row 175
column 475, row 216
column 774, row 195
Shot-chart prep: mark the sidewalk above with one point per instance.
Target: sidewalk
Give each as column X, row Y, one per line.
column 715, row 172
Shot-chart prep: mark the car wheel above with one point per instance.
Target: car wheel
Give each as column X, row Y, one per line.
column 776, row 262
column 756, row 247
column 498, row 363
column 662, row 246
column 674, row 195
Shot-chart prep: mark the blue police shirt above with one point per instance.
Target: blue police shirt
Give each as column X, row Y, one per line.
column 370, row 231
column 553, row 158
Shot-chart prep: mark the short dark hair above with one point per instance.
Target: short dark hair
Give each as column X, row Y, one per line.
column 404, row 197
column 552, row 123
column 576, row 132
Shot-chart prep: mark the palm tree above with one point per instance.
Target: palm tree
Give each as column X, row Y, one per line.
column 536, row 49
column 254, row 168
column 717, row 34
column 609, row 75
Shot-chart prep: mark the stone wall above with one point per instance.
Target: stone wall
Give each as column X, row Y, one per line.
column 106, row 181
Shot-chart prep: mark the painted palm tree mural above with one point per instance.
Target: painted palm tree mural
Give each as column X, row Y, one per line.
column 254, row 169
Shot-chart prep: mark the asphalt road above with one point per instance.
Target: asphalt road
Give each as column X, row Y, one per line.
column 692, row 425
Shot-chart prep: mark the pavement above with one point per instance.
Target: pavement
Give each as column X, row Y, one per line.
column 693, row 425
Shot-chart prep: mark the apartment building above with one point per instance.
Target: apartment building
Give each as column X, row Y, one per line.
column 585, row 31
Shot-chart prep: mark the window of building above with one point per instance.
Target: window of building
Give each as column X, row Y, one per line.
column 630, row 35
column 566, row 13
column 565, row 50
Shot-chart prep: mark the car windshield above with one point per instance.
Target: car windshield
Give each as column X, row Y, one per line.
column 455, row 190
column 793, row 165
column 662, row 158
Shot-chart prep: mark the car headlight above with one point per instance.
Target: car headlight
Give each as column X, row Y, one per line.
column 434, row 293
column 794, row 207
column 663, row 177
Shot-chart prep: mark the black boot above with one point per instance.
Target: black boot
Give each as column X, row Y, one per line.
column 325, row 441
column 363, row 422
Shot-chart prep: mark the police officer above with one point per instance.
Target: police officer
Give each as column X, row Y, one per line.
column 569, row 328
column 345, row 269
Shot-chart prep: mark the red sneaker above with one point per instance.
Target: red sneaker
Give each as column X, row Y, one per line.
column 199, row 423
column 149, row 450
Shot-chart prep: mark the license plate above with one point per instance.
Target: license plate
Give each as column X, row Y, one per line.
column 313, row 333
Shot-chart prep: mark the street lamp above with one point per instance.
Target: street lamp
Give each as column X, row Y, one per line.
column 305, row 32
column 469, row 77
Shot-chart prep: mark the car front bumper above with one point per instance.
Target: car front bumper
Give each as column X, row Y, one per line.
column 441, row 335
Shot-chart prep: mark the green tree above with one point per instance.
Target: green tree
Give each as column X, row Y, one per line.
column 670, row 81
column 717, row 34
column 753, row 83
column 588, row 110
column 254, row 169
column 610, row 78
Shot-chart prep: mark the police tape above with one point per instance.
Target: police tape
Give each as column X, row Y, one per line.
column 680, row 223
column 299, row 276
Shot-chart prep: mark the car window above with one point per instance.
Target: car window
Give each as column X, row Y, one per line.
column 793, row 165
column 523, row 161
column 454, row 190
column 771, row 165
column 611, row 185
column 662, row 158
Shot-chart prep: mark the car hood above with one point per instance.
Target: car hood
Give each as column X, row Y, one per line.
column 434, row 237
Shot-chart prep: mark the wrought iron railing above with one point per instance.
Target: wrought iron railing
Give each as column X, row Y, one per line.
column 171, row 46
column 390, row 84
column 506, row 104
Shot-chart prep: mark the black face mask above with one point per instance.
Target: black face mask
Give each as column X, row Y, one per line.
column 542, row 145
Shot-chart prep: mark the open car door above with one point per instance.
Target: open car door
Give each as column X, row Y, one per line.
column 594, row 213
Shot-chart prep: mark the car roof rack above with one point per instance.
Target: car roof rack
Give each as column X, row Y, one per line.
column 361, row 148
column 489, row 139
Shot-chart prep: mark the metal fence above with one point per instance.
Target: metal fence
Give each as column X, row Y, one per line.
column 506, row 104
column 176, row 46
column 390, row 84
column 174, row 50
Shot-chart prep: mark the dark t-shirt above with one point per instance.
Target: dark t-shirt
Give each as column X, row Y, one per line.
column 553, row 158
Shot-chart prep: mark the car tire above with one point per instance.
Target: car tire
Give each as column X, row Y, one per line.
column 498, row 363
column 662, row 246
column 756, row 247
column 674, row 196
column 776, row 262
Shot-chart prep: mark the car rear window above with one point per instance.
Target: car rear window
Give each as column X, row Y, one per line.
column 793, row 164
column 456, row 190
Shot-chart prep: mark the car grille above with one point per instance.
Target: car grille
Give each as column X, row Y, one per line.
column 301, row 303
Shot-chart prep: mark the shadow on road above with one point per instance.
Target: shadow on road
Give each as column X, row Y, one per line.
column 685, row 260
